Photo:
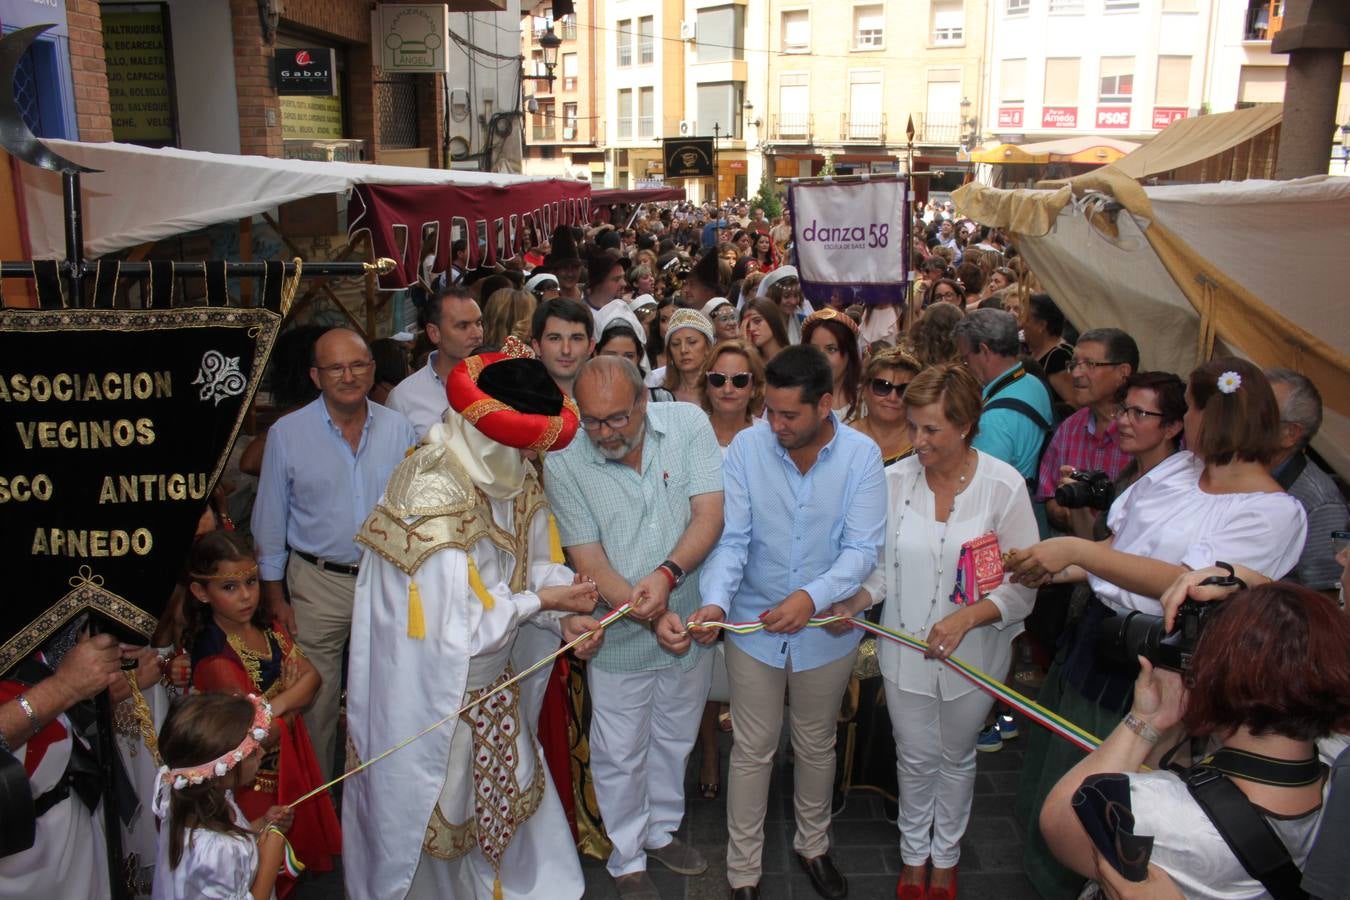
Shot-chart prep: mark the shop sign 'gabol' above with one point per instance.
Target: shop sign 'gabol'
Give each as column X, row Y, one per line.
column 1059, row 117
column 306, row 72
column 1113, row 117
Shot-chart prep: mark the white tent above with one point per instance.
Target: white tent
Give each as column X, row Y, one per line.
column 142, row 195
column 1255, row 268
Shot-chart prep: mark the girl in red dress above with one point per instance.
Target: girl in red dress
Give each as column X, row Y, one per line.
column 236, row 648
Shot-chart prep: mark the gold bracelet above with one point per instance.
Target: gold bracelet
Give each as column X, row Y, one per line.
column 1146, row 732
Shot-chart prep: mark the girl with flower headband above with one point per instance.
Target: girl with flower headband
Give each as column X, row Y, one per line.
column 238, row 648
column 212, row 746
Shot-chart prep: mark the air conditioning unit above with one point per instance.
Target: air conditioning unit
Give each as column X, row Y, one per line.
column 686, row 128
column 569, row 133
column 687, row 31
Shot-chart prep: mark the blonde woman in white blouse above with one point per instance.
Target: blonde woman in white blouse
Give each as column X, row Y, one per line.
column 943, row 496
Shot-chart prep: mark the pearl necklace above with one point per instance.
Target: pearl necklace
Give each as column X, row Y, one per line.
column 942, row 543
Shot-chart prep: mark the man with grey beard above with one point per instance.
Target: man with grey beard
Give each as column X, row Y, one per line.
column 639, row 506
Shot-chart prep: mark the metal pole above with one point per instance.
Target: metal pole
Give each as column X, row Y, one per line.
column 74, row 266
column 717, row 130
column 112, row 824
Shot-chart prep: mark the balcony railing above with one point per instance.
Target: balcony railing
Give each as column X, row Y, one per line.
column 791, row 126
column 545, row 131
column 939, row 128
column 867, row 128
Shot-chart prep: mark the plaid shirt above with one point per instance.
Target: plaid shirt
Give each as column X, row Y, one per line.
column 1076, row 443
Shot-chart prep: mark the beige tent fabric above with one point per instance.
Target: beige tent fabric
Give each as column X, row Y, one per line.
column 1211, row 300
column 1188, row 141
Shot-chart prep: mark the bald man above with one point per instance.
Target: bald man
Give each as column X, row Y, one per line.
column 323, row 471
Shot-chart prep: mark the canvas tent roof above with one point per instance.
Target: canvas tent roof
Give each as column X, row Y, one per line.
column 609, row 196
column 142, row 194
column 1254, row 268
column 1086, row 149
column 1188, row 141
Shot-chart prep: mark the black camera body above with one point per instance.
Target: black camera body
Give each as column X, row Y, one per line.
column 1094, row 490
column 1121, row 638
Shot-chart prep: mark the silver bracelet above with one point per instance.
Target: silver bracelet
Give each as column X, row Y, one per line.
column 1146, row 732
column 32, row 716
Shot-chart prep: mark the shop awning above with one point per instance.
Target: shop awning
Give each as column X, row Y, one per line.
column 611, row 196
column 140, row 195
column 1088, row 149
column 1189, row 141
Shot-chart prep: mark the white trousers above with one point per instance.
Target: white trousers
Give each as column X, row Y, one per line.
column 935, row 761
column 643, row 726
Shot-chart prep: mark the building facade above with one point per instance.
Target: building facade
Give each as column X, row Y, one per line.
column 565, row 134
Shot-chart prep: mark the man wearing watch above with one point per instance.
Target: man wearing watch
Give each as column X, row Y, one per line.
column 639, row 506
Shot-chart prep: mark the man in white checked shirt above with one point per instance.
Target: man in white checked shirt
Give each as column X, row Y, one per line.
column 639, row 506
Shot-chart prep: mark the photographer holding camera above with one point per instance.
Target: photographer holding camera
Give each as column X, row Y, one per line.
column 1270, row 675
column 1148, row 415
column 1215, row 501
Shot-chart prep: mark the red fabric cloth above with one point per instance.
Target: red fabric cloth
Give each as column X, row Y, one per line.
column 552, row 736
column 1087, row 450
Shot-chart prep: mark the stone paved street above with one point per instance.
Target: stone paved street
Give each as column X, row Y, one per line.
column 865, row 841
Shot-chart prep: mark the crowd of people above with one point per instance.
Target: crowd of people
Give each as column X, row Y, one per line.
column 646, row 442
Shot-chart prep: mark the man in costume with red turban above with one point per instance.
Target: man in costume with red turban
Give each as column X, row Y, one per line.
column 462, row 564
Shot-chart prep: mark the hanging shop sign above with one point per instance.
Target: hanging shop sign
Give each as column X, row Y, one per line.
column 306, row 72
column 688, row 157
column 412, row 37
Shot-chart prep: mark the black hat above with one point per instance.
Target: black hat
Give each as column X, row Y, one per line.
column 562, row 249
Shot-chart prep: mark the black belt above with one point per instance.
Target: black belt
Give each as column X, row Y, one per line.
column 340, row 568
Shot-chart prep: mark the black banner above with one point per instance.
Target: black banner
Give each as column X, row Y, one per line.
column 306, row 72
column 688, row 157
column 115, row 426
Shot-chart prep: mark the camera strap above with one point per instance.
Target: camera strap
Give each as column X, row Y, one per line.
column 1255, row 844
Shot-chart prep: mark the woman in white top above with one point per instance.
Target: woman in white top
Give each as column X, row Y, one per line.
column 1213, row 502
column 942, row 497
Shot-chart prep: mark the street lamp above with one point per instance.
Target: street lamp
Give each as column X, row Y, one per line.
column 549, row 43
column 967, row 138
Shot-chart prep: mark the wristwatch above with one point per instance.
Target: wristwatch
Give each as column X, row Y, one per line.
column 677, row 575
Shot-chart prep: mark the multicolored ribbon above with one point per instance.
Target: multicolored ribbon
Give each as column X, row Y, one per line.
column 604, row 623
column 1046, row 718
column 290, row 863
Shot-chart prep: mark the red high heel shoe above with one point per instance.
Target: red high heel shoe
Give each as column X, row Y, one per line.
column 912, row 891
column 943, row 893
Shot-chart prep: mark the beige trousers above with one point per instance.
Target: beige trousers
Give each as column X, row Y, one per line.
column 323, row 621
column 757, row 714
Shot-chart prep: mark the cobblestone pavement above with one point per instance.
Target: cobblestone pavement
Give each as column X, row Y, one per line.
column 865, row 843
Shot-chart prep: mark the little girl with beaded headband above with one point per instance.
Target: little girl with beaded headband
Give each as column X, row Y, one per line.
column 211, row 745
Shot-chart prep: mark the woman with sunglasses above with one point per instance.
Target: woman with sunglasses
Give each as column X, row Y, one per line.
column 732, row 387
column 884, row 381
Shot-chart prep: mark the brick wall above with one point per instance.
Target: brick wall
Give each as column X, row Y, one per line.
column 89, row 73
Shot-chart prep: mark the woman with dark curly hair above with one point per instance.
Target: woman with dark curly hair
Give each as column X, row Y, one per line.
column 1270, row 675
column 932, row 340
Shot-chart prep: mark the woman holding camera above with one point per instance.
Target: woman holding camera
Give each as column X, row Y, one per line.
column 943, row 502
column 1216, row 501
column 1270, row 675
column 1148, row 423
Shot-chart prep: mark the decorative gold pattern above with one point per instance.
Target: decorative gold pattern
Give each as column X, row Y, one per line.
column 474, row 366
column 429, row 482
column 483, row 407
column 89, row 593
column 500, row 806
column 545, row 441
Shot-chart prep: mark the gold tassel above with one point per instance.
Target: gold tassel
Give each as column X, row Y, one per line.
column 476, row 585
column 417, row 626
column 496, row 889
column 555, row 550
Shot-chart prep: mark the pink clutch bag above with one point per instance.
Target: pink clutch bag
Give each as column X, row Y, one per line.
column 979, row 569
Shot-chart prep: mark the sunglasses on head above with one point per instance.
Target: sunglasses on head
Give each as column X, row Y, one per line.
column 719, row 379
column 881, row 387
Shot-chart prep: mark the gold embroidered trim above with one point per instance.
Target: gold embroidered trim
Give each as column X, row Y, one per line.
column 474, row 366
column 545, row 440
column 446, row 840
column 483, row 407
column 252, row 661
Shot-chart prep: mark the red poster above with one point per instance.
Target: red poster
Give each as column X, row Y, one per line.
column 1166, row 115
column 1113, row 117
column 492, row 218
column 1059, row 117
column 1010, row 117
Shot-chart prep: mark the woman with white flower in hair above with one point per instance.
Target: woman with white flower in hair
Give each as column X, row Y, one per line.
column 1215, row 502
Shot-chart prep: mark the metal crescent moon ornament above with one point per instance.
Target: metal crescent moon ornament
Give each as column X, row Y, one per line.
column 15, row 135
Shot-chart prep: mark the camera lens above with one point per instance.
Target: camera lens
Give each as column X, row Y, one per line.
column 1122, row 638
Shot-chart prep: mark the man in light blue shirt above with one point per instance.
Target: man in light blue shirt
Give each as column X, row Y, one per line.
column 1017, row 419
column 324, row 469
column 804, row 516
column 639, row 505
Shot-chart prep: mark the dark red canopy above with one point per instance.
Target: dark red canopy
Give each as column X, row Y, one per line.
column 611, row 196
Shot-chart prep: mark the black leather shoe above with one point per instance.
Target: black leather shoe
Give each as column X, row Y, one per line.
column 745, row 893
column 828, row 881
